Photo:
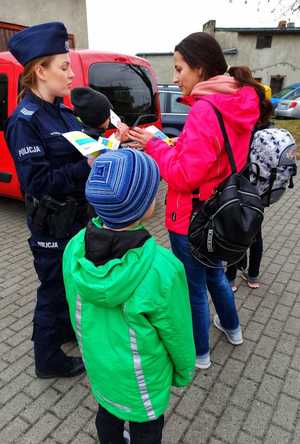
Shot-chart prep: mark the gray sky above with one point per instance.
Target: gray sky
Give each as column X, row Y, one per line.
column 130, row 26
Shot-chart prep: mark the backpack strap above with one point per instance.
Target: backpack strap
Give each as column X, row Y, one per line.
column 225, row 136
column 271, row 182
column 255, row 170
column 291, row 182
column 196, row 203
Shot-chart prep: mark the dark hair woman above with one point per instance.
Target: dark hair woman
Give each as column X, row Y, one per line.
column 198, row 163
column 52, row 175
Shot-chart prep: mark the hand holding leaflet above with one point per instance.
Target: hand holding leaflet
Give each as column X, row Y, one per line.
column 159, row 134
column 87, row 146
column 143, row 135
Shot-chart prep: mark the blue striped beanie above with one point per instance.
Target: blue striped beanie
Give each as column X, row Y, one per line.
column 121, row 186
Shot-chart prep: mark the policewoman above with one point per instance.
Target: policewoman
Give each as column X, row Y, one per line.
column 52, row 175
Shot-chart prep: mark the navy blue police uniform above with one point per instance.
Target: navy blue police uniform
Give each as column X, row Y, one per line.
column 52, row 175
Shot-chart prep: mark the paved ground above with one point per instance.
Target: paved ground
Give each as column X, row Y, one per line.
column 251, row 394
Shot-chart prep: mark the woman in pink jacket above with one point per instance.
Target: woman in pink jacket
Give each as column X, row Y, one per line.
column 198, row 163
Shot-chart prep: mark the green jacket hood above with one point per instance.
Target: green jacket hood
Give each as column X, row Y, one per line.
column 114, row 282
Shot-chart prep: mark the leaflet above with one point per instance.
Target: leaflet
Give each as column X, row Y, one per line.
column 87, row 146
column 115, row 119
column 158, row 133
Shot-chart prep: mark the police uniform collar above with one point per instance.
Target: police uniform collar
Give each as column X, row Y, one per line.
column 38, row 100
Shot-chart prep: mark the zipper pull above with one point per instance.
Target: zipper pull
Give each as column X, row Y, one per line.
column 210, row 240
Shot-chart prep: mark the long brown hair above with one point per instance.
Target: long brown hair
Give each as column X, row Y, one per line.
column 29, row 78
column 201, row 50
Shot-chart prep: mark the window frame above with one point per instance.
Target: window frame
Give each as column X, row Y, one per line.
column 4, row 100
column 274, row 81
column 264, row 41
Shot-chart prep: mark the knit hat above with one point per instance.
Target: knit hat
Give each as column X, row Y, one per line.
column 121, row 186
column 91, row 106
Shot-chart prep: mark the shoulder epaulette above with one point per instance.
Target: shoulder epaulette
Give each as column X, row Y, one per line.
column 28, row 110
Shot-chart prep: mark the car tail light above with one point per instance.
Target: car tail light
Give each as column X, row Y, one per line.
column 293, row 104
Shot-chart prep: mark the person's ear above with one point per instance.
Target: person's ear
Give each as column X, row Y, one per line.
column 201, row 74
column 40, row 72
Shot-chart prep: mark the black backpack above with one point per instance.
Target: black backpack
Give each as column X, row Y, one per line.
column 225, row 226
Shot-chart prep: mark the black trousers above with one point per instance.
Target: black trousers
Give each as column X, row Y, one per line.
column 110, row 429
column 255, row 256
column 51, row 321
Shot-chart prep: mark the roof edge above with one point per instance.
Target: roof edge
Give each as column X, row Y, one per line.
column 263, row 30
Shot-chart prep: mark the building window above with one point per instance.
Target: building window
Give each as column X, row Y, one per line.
column 7, row 30
column 3, row 100
column 263, row 41
column 276, row 84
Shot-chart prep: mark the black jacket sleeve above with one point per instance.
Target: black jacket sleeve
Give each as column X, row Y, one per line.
column 36, row 174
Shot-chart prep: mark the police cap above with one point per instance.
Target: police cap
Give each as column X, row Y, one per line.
column 39, row 41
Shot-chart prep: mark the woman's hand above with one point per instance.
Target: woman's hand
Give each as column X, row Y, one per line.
column 140, row 136
column 122, row 132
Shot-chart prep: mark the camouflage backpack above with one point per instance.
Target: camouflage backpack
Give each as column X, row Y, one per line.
column 272, row 163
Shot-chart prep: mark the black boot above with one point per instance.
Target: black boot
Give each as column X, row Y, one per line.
column 56, row 364
column 69, row 337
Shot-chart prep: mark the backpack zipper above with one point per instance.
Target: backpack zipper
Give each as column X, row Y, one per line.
column 223, row 206
column 229, row 249
column 248, row 194
column 255, row 209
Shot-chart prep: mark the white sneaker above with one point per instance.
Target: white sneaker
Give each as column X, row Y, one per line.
column 126, row 437
column 235, row 337
column 203, row 361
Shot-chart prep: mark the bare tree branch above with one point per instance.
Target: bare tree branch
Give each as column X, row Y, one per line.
column 280, row 8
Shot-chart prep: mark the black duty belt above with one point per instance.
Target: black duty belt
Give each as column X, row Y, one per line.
column 55, row 217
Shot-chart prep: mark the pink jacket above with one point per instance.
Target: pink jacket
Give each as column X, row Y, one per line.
column 199, row 159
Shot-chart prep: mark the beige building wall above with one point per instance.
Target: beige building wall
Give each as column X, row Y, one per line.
column 162, row 64
column 282, row 59
column 31, row 12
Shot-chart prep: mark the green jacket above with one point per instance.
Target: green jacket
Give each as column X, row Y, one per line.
column 133, row 324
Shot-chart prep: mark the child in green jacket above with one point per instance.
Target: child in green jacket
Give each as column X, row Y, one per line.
column 128, row 301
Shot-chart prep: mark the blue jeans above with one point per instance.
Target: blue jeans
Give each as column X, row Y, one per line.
column 200, row 278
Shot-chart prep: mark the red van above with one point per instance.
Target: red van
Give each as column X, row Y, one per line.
column 129, row 83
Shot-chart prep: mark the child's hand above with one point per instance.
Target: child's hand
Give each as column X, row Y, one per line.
column 140, row 135
column 122, row 132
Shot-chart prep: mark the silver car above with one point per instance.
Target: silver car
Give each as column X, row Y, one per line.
column 288, row 108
